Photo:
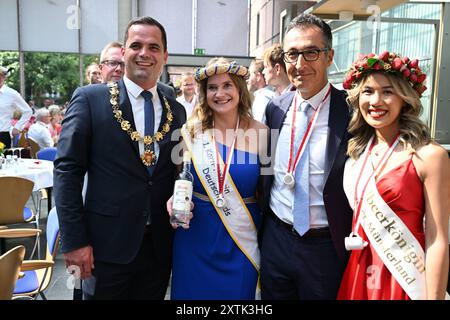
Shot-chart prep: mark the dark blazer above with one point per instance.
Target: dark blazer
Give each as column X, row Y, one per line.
column 338, row 210
column 120, row 193
column 167, row 90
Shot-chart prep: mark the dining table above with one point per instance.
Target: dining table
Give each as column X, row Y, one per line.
column 38, row 171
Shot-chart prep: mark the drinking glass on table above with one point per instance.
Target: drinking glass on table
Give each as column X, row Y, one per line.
column 8, row 162
column 20, row 151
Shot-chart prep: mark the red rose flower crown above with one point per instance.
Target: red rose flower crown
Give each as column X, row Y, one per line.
column 387, row 62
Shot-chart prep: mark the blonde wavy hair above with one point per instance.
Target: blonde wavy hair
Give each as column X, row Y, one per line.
column 414, row 133
column 202, row 115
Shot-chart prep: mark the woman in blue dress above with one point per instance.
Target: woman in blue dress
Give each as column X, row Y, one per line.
column 217, row 257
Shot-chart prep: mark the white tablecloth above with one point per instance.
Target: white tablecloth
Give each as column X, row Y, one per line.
column 38, row 171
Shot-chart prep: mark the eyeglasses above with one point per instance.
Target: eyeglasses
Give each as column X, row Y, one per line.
column 292, row 56
column 114, row 63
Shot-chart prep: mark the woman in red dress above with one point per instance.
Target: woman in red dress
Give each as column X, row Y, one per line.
column 397, row 180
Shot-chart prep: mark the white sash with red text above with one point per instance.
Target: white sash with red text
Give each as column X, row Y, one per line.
column 394, row 243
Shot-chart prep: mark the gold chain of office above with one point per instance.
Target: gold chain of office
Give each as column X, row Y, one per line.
column 148, row 157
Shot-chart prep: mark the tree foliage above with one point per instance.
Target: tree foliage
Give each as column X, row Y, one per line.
column 46, row 74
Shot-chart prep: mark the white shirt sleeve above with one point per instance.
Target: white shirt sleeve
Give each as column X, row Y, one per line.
column 40, row 134
column 24, row 108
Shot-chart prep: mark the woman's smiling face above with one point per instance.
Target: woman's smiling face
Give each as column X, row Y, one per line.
column 222, row 95
column 379, row 104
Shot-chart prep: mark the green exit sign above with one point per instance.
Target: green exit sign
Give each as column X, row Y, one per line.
column 199, row 51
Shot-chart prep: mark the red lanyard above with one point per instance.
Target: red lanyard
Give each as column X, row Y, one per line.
column 292, row 165
column 383, row 160
column 221, row 175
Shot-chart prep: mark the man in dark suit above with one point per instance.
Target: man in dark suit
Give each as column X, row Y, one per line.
column 307, row 214
column 120, row 238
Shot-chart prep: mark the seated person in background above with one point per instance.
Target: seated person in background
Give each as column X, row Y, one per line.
column 39, row 131
column 55, row 122
column 16, row 117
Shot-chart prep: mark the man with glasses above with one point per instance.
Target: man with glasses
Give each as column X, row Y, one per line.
column 111, row 62
column 307, row 215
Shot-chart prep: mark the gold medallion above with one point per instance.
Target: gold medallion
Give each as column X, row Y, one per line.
column 148, row 158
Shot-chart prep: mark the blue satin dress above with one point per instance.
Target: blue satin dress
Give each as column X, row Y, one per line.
column 207, row 264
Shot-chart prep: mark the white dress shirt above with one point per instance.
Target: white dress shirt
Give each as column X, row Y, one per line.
column 282, row 196
column 137, row 105
column 262, row 98
column 11, row 100
column 40, row 134
column 287, row 89
column 188, row 106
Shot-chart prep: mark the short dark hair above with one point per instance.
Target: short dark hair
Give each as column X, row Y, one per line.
column 147, row 21
column 309, row 20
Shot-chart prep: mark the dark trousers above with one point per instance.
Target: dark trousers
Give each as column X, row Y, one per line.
column 142, row 279
column 295, row 268
column 5, row 138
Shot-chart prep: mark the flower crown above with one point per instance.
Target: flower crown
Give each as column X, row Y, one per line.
column 219, row 68
column 387, row 62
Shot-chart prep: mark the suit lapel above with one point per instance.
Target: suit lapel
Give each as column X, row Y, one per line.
column 337, row 123
column 127, row 112
column 279, row 117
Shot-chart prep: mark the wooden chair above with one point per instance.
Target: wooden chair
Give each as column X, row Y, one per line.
column 26, row 152
column 10, row 264
column 15, row 192
column 34, row 148
column 22, row 140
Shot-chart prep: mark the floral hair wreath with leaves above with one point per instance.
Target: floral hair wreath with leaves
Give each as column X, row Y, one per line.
column 388, row 62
